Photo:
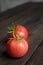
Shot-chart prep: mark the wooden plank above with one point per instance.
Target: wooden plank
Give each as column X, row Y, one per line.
column 32, row 18
column 14, row 11
column 37, row 57
column 23, row 20
column 37, row 7
column 33, row 41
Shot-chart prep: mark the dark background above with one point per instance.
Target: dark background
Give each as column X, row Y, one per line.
column 8, row 4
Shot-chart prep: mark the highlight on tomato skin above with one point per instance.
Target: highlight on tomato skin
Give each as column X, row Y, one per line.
column 20, row 30
column 17, row 48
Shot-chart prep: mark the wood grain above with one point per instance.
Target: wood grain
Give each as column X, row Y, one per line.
column 37, row 57
column 29, row 15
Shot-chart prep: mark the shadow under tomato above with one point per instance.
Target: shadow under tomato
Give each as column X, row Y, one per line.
column 5, row 54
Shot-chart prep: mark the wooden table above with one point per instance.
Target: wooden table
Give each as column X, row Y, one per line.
column 31, row 16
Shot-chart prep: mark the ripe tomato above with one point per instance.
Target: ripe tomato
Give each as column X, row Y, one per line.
column 17, row 48
column 21, row 31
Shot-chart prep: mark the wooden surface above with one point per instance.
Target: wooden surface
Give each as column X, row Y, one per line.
column 31, row 16
column 37, row 57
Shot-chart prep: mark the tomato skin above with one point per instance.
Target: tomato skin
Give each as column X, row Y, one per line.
column 10, row 35
column 17, row 48
column 21, row 31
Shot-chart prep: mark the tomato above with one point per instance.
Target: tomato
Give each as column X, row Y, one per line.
column 17, row 48
column 21, row 31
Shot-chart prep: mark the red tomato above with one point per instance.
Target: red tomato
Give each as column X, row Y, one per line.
column 21, row 31
column 17, row 48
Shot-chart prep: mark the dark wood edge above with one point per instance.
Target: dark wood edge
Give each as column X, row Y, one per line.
column 18, row 9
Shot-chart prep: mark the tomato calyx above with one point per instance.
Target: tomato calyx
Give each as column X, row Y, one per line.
column 16, row 37
column 11, row 29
